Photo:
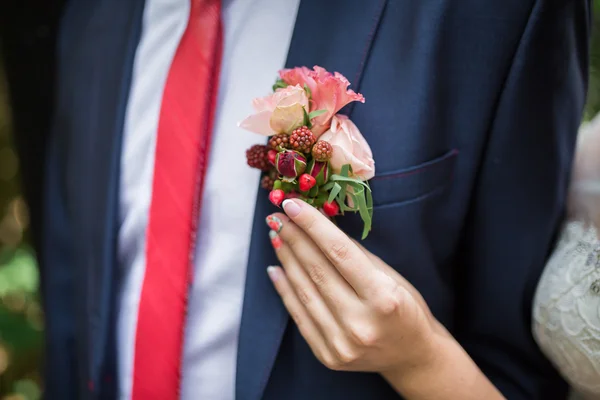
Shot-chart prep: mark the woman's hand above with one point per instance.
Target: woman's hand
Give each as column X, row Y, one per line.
column 355, row 312
column 358, row 314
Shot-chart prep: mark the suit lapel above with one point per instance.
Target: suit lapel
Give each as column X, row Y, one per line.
column 112, row 109
column 336, row 35
column 102, row 89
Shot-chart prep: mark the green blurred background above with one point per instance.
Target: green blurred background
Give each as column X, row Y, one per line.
column 21, row 320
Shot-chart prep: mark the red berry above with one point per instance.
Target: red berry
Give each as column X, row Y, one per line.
column 322, row 151
column 271, row 155
column 306, row 182
column 331, row 209
column 267, row 182
column 276, row 196
column 280, row 141
column 302, row 139
column 257, row 157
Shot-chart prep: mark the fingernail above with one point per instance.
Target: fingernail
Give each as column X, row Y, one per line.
column 274, row 223
column 273, row 273
column 275, row 240
column 291, row 208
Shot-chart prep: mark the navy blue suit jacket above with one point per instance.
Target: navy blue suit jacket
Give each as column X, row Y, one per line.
column 472, row 111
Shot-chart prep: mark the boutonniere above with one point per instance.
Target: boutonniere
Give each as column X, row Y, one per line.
column 313, row 153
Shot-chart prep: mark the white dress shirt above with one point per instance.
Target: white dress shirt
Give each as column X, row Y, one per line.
column 257, row 36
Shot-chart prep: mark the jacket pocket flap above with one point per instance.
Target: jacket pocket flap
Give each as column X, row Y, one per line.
column 414, row 182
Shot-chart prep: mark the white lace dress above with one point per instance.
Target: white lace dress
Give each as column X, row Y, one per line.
column 566, row 314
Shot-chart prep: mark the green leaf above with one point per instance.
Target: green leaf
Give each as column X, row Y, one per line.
column 369, row 196
column 277, row 184
column 365, row 214
column 340, row 178
column 279, row 84
column 328, row 186
column 336, row 189
column 316, row 113
column 313, row 191
column 346, row 170
column 342, row 199
column 306, row 122
column 360, row 195
column 307, row 90
column 320, row 199
column 353, row 194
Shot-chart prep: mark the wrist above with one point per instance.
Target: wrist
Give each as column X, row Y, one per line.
column 426, row 353
column 445, row 371
column 427, row 356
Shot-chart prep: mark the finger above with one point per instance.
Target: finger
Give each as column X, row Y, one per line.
column 338, row 248
column 305, row 290
column 303, row 321
column 328, row 281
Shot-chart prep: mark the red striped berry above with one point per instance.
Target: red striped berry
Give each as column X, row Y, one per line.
column 306, row 182
column 331, row 209
column 277, row 196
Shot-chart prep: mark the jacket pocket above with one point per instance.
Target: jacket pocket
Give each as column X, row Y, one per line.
column 413, row 184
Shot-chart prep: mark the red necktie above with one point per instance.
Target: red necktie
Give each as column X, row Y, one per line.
column 182, row 145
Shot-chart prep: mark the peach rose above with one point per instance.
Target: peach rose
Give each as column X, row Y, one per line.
column 328, row 92
column 280, row 112
column 349, row 147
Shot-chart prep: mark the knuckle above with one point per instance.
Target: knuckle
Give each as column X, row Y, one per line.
column 344, row 353
column 291, row 240
column 303, row 296
column 390, row 302
column 309, row 223
column 364, row 335
column 330, row 361
column 317, row 274
column 339, row 252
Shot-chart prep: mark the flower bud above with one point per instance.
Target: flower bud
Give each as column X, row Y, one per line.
column 319, row 170
column 290, row 163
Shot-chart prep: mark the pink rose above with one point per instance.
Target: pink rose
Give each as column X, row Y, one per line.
column 328, row 92
column 280, row 112
column 349, row 147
